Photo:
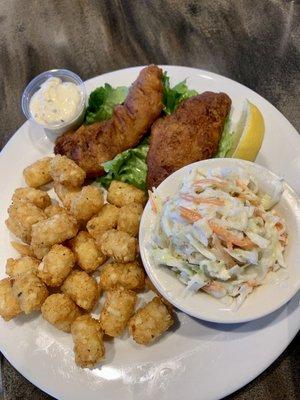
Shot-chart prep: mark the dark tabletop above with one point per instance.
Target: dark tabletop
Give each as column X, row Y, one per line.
column 255, row 42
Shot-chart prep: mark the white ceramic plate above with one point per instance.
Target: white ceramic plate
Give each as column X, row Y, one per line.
column 197, row 359
column 279, row 287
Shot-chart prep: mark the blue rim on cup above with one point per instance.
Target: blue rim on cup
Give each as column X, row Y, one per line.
column 54, row 130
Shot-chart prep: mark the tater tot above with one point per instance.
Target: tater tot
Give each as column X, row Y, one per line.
column 38, row 173
column 87, row 203
column 118, row 308
column 9, row 305
column 129, row 275
column 30, row 291
column 106, row 219
column 40, row 250
column 20, row 266
column 120, row 194
column 38, row 197
column 119, row 245
column 150, row 322
column 54, row 230
column 22, row 249
column 60, row 311
column 65, row 194
column 82, row 288
column 54, row 209
column 129, row 218
column 56, row 265
column 18, row 230
column 66, row 171
column 25, row 215
column 87, row 254
column 88, row 341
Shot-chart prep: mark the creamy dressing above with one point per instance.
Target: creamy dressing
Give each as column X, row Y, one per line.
column 56, row 102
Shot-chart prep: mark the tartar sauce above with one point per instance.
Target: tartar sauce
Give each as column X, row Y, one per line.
column 56, row 102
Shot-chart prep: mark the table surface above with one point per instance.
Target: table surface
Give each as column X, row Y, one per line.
column 255, row 42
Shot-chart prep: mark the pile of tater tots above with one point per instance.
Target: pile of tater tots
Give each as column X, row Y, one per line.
column 73, row 252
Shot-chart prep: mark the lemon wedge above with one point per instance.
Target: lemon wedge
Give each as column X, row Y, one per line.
column 249, row 134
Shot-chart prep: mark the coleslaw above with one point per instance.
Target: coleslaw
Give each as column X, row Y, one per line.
column 219, row 233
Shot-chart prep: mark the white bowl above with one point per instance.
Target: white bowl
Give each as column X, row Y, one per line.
column 279, row 287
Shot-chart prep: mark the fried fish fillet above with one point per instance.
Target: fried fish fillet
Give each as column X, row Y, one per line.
column 91, row 145
column 190, row 134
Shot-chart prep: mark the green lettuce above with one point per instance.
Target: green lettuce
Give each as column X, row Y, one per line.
column 173, row 96
column 129, row 166
column 102, row 102
column 227, row 141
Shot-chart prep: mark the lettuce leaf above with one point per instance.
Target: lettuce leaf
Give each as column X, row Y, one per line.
column 102, row 102
column 129, row 166
column 173, row 96
column 227, row 141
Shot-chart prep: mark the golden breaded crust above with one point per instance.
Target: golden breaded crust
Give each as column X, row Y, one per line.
column 82, row 288
column 150, row 322
column 120, row 194
column 9, row 306
column 118, row 308
column 40, row 250
column 60, row 311
column 91, row 145
column 66, row 171
column 22, row 216
column 129, row 218
column 56, row 265
column 129, row 275
column 38, row 197
column 119, row 245
column 54, row 230
column 38, row 173
column 87, row 203
column 88, row 341
column 65, row 194
column 54, row 209
column 190, row 134
column 19, row 266
column 106, row 219
column 22, row 249
column 30, row 291
column 88, row 256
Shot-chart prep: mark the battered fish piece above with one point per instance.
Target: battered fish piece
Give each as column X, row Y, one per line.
column 88, row 341
column 38, row 197
column 38, row 173
column 30, row 291
column 118, row 308
column 82, row 288
column 60, row 311
column 19, row 266
column 56, row 265
column 192, row 133
column 92, row 145
column 87, row 254
column 9, row 306
column 128, row 275
column 66, row 172
column 150, row 322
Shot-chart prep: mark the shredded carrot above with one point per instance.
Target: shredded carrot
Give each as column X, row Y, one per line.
column 241, row 184
column 230, row 237
column 214, row 182
column 152, row 202
column 190, row 215
column 198, row 200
